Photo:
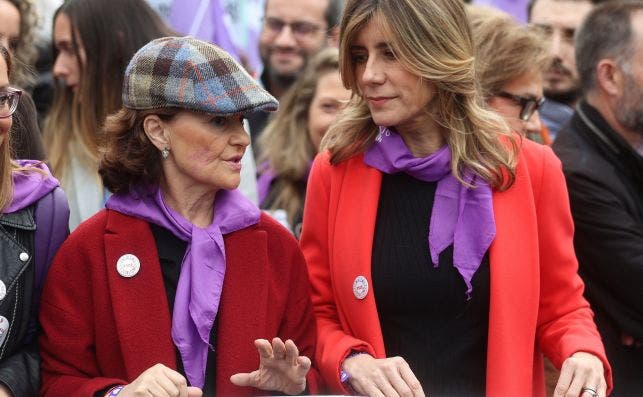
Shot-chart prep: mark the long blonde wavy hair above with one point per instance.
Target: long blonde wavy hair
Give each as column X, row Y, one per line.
column 285, row 143
column 432, row 39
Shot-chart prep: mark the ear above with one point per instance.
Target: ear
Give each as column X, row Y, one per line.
column 332, row 38
column 609, row 77
column 157, row 131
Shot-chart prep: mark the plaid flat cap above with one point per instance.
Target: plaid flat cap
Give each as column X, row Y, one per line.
column 183, row 72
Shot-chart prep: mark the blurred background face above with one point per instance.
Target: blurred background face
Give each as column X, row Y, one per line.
column 292, row 32
column 330, row 98
column 560, row 19
column 529, row 85
column 9, row 25
column 67, row 65
column 5, row 123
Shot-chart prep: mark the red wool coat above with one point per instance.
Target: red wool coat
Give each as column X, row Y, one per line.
column 101, row 329
column 536, row 301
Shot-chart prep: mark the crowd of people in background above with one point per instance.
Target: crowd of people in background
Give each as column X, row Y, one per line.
column 368, row 197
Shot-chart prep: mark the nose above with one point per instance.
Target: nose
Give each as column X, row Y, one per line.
column 60, row 69
column 240, row 137
column 556, row 44
column 533, row 125
column 285, row 37
column 373, row 72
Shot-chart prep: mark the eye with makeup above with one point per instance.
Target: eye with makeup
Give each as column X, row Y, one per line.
column 222, row 122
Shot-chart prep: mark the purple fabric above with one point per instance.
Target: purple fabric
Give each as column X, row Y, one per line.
column 203, row 19
column 515, row 8
column 198, row 292
column 29, row 187
column 460, row 216
column 266, row 176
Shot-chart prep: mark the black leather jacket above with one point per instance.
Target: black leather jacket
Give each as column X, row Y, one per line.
column 19, row 359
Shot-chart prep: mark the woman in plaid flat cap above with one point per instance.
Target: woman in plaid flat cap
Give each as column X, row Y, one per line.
column 175, row 286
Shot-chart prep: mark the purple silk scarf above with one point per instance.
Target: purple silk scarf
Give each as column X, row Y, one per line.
column 30, row 186
column 460, row 216
column 198, row 292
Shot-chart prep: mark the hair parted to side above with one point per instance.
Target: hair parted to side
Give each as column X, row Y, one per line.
column 110, row 32
column 505, row 50
column 599, row 37
column 285, row 143
column 432, row 39
column 128, row 157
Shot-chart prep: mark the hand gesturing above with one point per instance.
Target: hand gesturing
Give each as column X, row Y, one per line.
column 281, row 368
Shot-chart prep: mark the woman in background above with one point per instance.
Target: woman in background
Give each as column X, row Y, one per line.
column 291, row 141
column 94, row 40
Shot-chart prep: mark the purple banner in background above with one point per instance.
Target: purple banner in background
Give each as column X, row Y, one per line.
column 202, row 19
column 516, row 8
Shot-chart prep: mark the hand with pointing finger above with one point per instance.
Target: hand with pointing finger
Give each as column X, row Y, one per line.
column 281, row 368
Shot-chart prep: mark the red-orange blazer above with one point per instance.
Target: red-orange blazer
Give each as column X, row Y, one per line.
column 536, row 302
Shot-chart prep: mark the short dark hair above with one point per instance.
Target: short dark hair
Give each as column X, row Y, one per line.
column 599, row 37
column 128, row 157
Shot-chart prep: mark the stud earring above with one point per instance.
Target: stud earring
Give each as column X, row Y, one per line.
column 165, row 152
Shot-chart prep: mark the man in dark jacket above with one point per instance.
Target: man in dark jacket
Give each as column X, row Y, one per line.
column 602, row 154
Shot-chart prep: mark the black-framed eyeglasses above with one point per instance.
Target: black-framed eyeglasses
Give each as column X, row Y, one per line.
column 528, row 105
column 9, row 99
column 300, row 29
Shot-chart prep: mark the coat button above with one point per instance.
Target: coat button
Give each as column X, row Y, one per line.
column 3, row 290
column 4, row 328
column 360, row 287
column 128, row 265
column 24, row 256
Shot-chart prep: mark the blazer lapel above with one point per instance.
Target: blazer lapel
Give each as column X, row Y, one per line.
column 355, row 227
column 139, row 302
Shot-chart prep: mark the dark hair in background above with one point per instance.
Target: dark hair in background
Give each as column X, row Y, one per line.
column 601, row 36
column 26, row 140
column 334, row 12
column 128, row 158
column 110, row 32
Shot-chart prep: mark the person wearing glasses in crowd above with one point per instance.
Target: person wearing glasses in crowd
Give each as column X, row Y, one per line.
column 171, row 290
column 33, row 224
column 292, row 33
column 510, row 62
column 438, row 242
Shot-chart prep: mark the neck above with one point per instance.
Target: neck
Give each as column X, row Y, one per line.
column 193, row 202
column 422, row 140
column 608, row 110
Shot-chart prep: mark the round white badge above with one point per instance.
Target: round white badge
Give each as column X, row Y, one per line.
column 3, row 290
column 24, row 256
column 128, row 265
column 360, row 287
column 4, row 328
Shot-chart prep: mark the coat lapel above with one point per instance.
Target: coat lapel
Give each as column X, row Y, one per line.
column 514, row 282
column 355, row 227
column 140, row 306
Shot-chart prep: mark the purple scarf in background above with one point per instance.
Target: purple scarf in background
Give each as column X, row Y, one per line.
column 30, row 186
column 198, row 292
column 460, row 216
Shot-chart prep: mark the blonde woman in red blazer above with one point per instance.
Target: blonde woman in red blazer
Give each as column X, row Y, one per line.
column 415, row 108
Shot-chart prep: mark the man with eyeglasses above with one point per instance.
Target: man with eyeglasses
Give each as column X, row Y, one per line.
column 602, row 154
column 559, row 19
column 293, row 31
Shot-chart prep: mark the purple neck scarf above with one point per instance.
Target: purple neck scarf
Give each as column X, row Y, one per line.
column 198, row 292
column 460, row 216
column 30, row 186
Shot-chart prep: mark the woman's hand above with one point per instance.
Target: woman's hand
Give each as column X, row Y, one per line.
column 582, row 375
column 381, row 377
column 160, row 381
column 281, row 368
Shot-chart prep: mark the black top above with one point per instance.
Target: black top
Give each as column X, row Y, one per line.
column 604, row 177
column 423, row 310
column 171, row 251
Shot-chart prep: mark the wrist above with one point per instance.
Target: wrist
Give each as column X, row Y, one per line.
column 344, row 376
column 114, row 391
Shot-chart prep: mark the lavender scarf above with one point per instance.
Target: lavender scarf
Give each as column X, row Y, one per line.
column 198, row 292
column 30, row 186
column 460, row 216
